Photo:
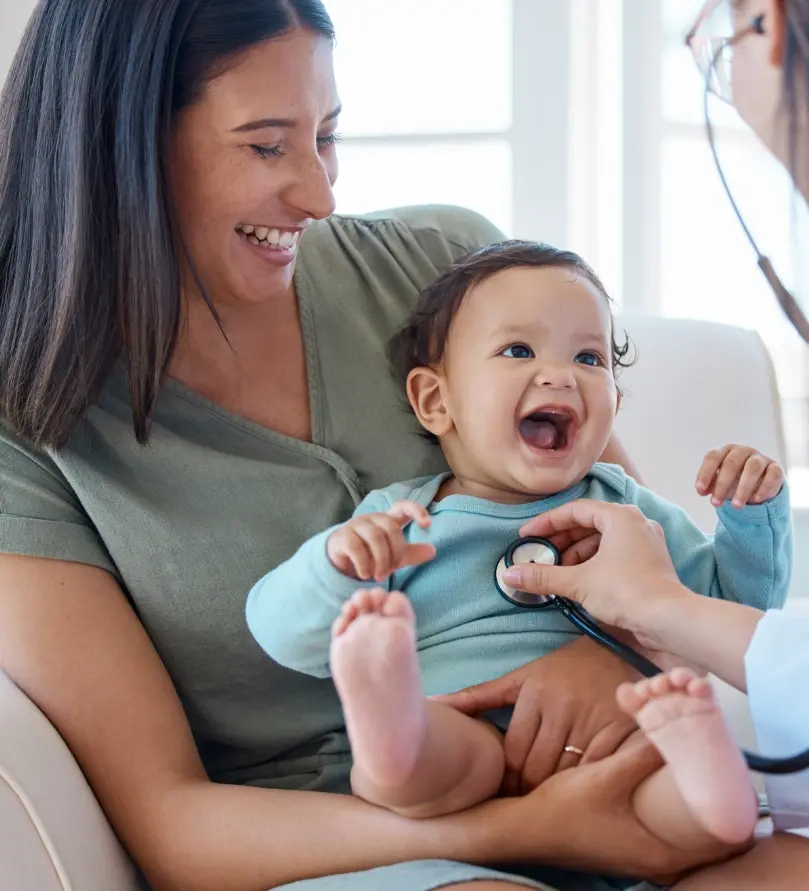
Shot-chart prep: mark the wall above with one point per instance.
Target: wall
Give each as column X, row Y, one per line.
column 13, row 18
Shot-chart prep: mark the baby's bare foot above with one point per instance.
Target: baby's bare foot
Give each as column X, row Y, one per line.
column 376, row 672
column 678, row 713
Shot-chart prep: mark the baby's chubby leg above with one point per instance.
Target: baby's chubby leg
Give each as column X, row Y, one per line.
column 704, row 792
column 412, row 756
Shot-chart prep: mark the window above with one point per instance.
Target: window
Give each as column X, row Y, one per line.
column 456, row 101
column 425, row 120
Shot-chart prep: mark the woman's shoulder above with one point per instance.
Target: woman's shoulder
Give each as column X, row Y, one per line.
column 434, row 234
column 464, row 228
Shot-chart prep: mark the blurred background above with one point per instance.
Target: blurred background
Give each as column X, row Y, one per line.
column 579, row 123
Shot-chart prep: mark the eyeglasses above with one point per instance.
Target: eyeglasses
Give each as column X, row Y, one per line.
column 712, row 39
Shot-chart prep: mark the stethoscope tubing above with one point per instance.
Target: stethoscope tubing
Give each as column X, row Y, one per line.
column 581, row 620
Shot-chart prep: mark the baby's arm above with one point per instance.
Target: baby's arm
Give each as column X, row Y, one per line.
column 291, row 610
column 748, row 560
column 753, row 551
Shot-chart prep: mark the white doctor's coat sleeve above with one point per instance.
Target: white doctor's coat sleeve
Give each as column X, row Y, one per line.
column 777, row 668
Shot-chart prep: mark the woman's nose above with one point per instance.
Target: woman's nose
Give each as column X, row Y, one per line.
column 310, row 191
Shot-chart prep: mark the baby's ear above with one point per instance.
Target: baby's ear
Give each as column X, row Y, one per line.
column 425, row 391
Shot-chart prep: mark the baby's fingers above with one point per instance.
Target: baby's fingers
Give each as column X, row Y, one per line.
column 728, row 476
column 751, row 477
column 405, row 512
column 710, row 465
column 416, row 554
column 383, row 548
column 359, row 558
column 771, row 485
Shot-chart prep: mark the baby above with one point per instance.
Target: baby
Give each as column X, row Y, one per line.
column 509, row 362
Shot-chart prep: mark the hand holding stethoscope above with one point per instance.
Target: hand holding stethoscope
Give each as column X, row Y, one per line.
column 629, row 583
column 533, row 550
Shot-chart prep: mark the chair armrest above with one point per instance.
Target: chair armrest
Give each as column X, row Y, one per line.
column 53, row 834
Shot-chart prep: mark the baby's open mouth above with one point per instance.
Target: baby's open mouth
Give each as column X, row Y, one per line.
column 548, row 429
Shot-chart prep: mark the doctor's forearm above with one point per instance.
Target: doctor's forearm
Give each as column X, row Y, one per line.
column 715, row 634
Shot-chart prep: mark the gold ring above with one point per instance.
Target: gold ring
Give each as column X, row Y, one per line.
column 573, row 751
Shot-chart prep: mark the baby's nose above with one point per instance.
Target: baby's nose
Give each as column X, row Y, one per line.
column 558, row 376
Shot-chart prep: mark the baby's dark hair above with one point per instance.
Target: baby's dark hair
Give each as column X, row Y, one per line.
column 423, row 340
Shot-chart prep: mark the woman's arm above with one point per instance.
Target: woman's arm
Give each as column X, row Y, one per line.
column 630, row 582
column 71, row 641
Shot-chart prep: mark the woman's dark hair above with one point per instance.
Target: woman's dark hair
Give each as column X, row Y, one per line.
column 796, row 76
column 90, row 253
column 423, row 340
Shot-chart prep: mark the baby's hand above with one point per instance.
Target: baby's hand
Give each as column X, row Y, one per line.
column 373, row 546
column 741, row 474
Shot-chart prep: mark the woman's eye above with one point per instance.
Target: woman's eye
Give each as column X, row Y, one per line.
column 324, row 142
column 589, row 358
column 264, row 151
column 518, row 351
column 275, row 151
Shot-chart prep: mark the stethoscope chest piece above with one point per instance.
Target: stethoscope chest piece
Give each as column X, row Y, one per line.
column 525, row 550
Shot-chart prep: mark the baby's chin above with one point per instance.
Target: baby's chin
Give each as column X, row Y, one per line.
column 541, row 482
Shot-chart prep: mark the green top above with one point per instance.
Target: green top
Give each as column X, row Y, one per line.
column 189, row 523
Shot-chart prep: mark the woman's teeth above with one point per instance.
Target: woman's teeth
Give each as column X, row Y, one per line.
column 273, row 238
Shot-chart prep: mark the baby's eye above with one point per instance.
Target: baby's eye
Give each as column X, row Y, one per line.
column 518, row 351
column 587, row 357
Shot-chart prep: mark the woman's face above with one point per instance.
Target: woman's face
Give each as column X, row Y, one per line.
column 253, row 163
column 757, row 73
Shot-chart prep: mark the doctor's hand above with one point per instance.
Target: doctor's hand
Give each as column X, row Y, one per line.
column 624, row 575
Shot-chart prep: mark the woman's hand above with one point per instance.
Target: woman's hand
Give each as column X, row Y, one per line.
column 566, row 698
column 596, row 827
column 626, row 577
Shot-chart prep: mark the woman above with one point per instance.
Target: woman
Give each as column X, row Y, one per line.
column 624, row 575
column 194, row 382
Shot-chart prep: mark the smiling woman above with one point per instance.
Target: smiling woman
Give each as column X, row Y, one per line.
column 232, row 167
column 195, row 383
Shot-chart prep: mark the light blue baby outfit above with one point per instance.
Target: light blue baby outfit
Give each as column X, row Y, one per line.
column 467, row 632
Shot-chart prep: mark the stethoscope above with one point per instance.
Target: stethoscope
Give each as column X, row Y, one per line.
column 539, row 550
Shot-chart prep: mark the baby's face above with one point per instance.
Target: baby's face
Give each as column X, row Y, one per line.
column 528, row 382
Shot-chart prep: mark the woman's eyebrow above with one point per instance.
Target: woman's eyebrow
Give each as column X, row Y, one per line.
column 266, row 123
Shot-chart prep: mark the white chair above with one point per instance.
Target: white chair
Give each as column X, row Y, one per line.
column 53, row 833
column 696, row 386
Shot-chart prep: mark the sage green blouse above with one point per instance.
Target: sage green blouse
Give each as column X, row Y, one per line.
column 190, row 522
